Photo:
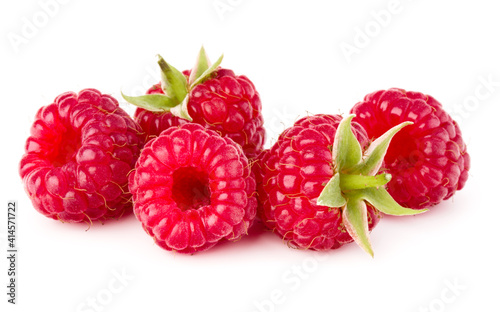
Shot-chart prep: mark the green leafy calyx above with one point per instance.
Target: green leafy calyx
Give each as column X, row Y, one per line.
column 176, row 87
column 356, row 182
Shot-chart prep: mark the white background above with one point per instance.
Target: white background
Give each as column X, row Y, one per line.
column 292, row 51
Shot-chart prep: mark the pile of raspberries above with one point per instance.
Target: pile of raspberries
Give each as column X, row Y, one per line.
column 192, row 167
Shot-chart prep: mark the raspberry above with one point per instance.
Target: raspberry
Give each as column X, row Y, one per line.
column 78, row 156
column 428, row 160
column 193, row 188
column 296, row 169
column 296, row 184
column 210, row 96
column 230, row 105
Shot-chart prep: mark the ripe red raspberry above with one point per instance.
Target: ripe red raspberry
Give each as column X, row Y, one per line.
column 318, row 186
column 296, row 170
column 153, row 123
column 230, row 105
column 428, row 160
column 210, row 96
column 78, row 156
column 192, row 188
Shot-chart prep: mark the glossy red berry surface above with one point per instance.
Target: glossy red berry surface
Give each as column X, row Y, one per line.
column 293, row 174
column 78, row 157
column 226, row 103
column 193, row 188
column 428, row 160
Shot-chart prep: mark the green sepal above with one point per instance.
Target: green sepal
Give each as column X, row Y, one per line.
column 206, row 74
column 173, row 82
column 181, row 110
column 331, row 195
column 152, row 102
column 357, row 181
column 202, row 64
column 383, row 202
column 346, row 151
column 375, row 154
column 355, row 216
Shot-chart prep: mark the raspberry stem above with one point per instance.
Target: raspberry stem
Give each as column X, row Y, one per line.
column 357, row 181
